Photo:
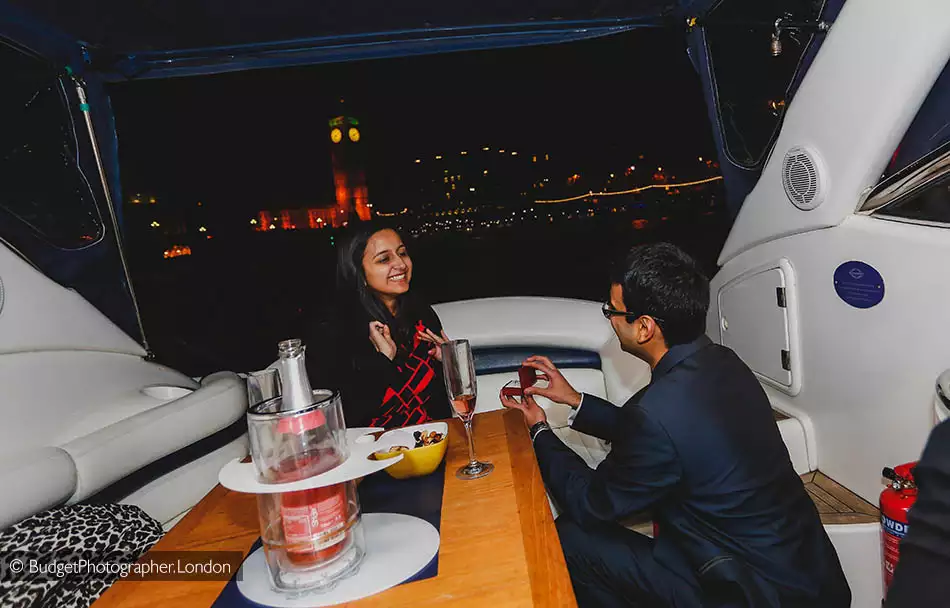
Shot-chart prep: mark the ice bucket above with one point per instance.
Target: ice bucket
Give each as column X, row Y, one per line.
column 313, row 537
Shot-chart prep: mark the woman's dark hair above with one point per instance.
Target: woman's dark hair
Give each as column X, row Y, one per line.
column 662, row 281
column 353, row 290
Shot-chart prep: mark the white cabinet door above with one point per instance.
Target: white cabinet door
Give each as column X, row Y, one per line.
column 753, row 318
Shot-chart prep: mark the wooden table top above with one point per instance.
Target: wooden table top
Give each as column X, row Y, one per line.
column 499, row 546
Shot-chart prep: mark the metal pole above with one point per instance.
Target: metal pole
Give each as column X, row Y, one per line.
column 84, row 107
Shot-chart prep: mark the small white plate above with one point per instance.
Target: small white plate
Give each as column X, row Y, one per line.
column 397, row 547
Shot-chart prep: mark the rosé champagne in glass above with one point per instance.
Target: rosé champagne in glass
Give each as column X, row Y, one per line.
column 458, row 368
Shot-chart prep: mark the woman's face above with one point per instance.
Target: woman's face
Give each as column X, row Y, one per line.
column 386, row 264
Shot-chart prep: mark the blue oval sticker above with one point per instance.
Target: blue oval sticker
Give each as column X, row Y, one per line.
column 859, row 285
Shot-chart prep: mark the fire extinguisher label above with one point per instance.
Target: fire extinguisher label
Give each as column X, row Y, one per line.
column 893, row 527
column 891, row 534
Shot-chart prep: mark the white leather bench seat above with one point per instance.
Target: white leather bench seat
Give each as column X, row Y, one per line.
column 78, row 421
column 34, row 479
column 112, row 452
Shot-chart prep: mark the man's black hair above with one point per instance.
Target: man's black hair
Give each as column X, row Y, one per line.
column 662, row 281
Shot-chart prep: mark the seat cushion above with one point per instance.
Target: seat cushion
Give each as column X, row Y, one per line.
column 33, row 480
column 112, row 452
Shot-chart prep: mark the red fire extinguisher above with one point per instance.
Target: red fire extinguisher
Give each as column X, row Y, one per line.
column 896, row 501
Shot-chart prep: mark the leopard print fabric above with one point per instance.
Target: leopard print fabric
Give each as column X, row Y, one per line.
column 107, row 533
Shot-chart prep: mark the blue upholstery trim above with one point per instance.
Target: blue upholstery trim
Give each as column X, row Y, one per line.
column 135, row 480
column 500, row 359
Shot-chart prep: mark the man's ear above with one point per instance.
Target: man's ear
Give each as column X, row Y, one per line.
column 646, row 329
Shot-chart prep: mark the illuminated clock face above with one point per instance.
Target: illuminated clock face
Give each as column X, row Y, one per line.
column 336, row 135
column 354, row 134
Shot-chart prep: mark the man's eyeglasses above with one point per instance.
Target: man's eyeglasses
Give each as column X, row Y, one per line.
column 630, row 316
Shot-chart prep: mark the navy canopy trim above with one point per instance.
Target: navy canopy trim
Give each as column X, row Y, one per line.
column 190, row 62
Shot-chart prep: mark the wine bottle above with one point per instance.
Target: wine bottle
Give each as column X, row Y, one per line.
column 314, row 521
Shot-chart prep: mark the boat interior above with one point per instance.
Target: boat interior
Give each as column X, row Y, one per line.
column 856, row 384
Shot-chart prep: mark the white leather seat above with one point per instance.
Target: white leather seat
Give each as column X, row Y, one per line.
column 112, row 452
column 34, row 479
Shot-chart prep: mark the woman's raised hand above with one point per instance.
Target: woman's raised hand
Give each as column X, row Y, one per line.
column 437, row 341
column 382, row 340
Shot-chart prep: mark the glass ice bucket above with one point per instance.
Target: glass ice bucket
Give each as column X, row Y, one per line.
column 312, row 538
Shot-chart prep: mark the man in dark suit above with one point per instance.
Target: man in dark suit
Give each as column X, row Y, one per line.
column 699, row 448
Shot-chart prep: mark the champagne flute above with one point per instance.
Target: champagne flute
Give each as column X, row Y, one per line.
column 458, row 367
column 262, row 386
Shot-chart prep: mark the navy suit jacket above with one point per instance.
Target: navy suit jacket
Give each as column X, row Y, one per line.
column 699, row 447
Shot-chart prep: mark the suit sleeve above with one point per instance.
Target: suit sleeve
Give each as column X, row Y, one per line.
column 640, row 470
column 597, row 417
column 921, row 575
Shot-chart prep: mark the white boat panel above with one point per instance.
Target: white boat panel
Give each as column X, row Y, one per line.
column 38, row 314
column 859, row 551
column 793, row 434
column 870, row 372
column 864, row 87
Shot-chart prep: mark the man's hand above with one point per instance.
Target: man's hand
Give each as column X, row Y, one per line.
column 532, row 412
column 559, row 390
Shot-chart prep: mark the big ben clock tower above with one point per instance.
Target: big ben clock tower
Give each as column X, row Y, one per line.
column 349, row 175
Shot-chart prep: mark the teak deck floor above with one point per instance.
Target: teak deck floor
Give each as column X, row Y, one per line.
column 836, row 503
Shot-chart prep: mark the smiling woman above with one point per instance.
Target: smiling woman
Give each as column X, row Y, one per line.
column 382, row 346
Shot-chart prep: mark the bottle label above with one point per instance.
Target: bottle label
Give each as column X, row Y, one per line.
column 300, row 424
column 317, row 525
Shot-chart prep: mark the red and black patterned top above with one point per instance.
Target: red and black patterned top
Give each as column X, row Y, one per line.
column 376, row 391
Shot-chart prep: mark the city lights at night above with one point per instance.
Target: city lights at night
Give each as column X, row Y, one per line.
column 472, row 179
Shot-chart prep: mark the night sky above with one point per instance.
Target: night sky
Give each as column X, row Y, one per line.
column 256, row 139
